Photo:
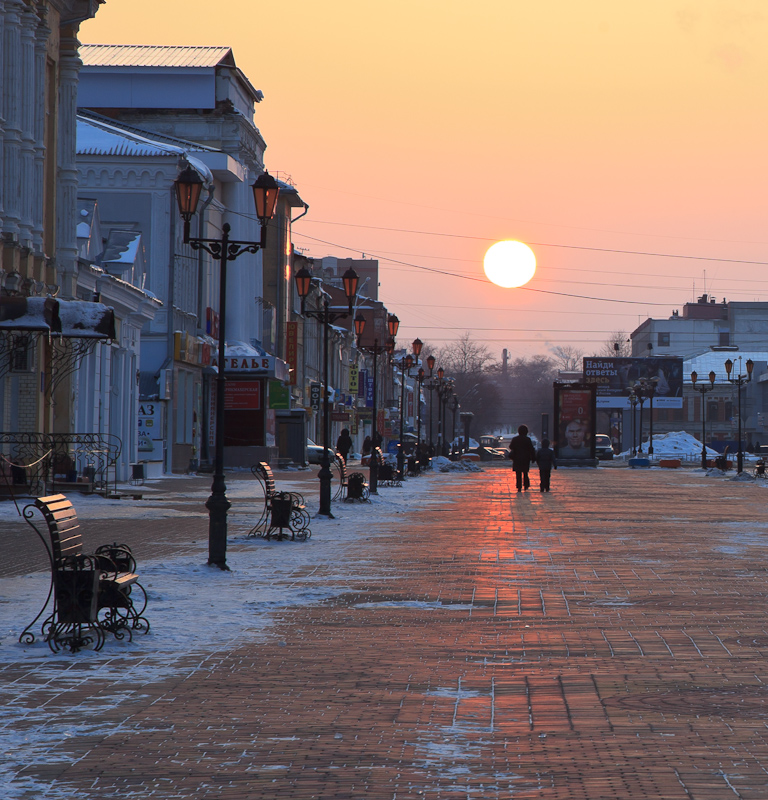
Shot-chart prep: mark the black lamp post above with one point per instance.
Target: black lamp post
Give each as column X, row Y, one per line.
column 640, row 392
column 702, row 390
column 633, row 403
column 431, row 385
column 648, row 391
column 444, row 391
column 326, row 316
column 406, row 362
column 454, row 409
column 376, row 349
column 440, row 422
column 739, row 380
column 419, row 382
column 188, row 186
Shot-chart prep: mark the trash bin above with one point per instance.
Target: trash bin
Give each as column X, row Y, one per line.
column 355, row 486
column 282, row 505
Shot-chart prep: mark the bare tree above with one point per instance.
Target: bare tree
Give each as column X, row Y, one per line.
column 610, row 348
column 566, row 357
column 465, row 356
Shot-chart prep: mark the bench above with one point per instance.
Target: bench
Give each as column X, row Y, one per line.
column 387, row 473
column 282, row 510
column 93, row 594
column 352, row 485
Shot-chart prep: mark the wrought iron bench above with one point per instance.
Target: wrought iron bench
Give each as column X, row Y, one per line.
column 93, row 594
column 387, row 473
column 352, row 485
column 282, row 510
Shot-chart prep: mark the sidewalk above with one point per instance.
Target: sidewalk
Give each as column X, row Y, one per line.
column 453, row 639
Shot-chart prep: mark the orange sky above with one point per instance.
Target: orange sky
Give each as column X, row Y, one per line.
column 617, row 126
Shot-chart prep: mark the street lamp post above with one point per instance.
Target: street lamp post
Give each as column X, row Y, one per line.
column 454, row 409
column 376, row 349
column 440, row 423
column 420, row 381
column 406, row 362
column 648, row 387
column 326, row 317
column 702, row 390
column 188, row 187
column 633, row 403
column 640, row 392
column 431, row 386
column 739, row 380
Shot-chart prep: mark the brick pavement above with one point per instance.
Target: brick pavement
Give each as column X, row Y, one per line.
column 603, row 641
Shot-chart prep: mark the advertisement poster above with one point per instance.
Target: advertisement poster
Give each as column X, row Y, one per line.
column 615, row 377
column 575, row 421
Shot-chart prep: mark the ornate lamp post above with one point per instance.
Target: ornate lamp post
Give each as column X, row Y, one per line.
column 739, row 380
column 326, row 317
column 454, row 409
column 440, row 422
column 188, row 186
column 702, row 390
column 640, row 392
column 406, row 362
column 431, row 385
column 376, row 349
column 648, row 391
column 633, row 403
column 420, row 381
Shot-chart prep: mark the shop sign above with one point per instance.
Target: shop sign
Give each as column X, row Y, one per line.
column 242, row 396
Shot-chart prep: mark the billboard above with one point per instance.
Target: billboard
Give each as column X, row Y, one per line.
column 615, row 377
column 575, row 421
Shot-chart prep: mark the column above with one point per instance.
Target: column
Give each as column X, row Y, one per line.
column 66, row 200
column 11, row 111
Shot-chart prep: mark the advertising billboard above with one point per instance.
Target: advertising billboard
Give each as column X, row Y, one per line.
column 615, row 377
column 575, row 421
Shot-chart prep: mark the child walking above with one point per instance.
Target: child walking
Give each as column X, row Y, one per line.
column 545, row 458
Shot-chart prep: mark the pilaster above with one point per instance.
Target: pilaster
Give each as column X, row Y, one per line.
column 66, row 201
column 11, row 111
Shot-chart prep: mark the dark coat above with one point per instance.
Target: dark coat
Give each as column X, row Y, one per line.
column 521, row 452
column 545, row 458
column 344, row 445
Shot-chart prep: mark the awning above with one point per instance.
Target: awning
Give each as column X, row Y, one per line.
column 29, row 314
column 70, row 319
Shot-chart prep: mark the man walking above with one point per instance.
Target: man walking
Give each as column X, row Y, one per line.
column 521, row 453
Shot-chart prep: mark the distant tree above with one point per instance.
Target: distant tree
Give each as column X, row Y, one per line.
column 465, row 356
column 566, row 357
column 620, row 338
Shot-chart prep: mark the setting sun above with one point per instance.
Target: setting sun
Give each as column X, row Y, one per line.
column 509, row 264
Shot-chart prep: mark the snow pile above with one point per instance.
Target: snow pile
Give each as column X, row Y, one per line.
column 743, row 476
column 442, row 464
column 676, row 444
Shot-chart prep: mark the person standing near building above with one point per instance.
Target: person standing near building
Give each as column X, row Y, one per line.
column 545, row 458
column 521, row 453
column 344, row 444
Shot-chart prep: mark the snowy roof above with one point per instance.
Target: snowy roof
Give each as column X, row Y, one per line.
column 145, row 55
column 122, row 247
column 97, row 138
column 29, row 314
column 715, row 360
column 82, row 319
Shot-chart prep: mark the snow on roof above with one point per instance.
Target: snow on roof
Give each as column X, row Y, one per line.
column 122, row 247
column 85, row 320
column 715, row 361
column 243, row 350
column 145, row 55
column 97, row 138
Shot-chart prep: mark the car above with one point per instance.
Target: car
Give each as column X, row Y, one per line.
column 315, row 453
column 603, row 447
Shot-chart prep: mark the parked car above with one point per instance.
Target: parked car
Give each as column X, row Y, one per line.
column 603, row 447
column 315, row 453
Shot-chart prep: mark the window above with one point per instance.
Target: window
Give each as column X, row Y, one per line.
column 663, row 340
column 712, row 411
column 22, row 354
column 725, row 339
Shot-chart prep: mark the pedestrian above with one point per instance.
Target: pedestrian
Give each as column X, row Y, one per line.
column 344, row 444
column 367, row 446
column 545, row 458
column 521, row 453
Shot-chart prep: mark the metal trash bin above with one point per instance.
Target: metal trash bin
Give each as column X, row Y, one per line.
column 355, row 486
column 282, row 504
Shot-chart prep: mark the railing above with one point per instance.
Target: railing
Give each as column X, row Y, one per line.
column 32, row 464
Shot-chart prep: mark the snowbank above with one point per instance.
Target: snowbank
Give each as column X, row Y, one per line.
column 676, row 444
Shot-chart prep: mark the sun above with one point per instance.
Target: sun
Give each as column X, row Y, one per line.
column 509, row 264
